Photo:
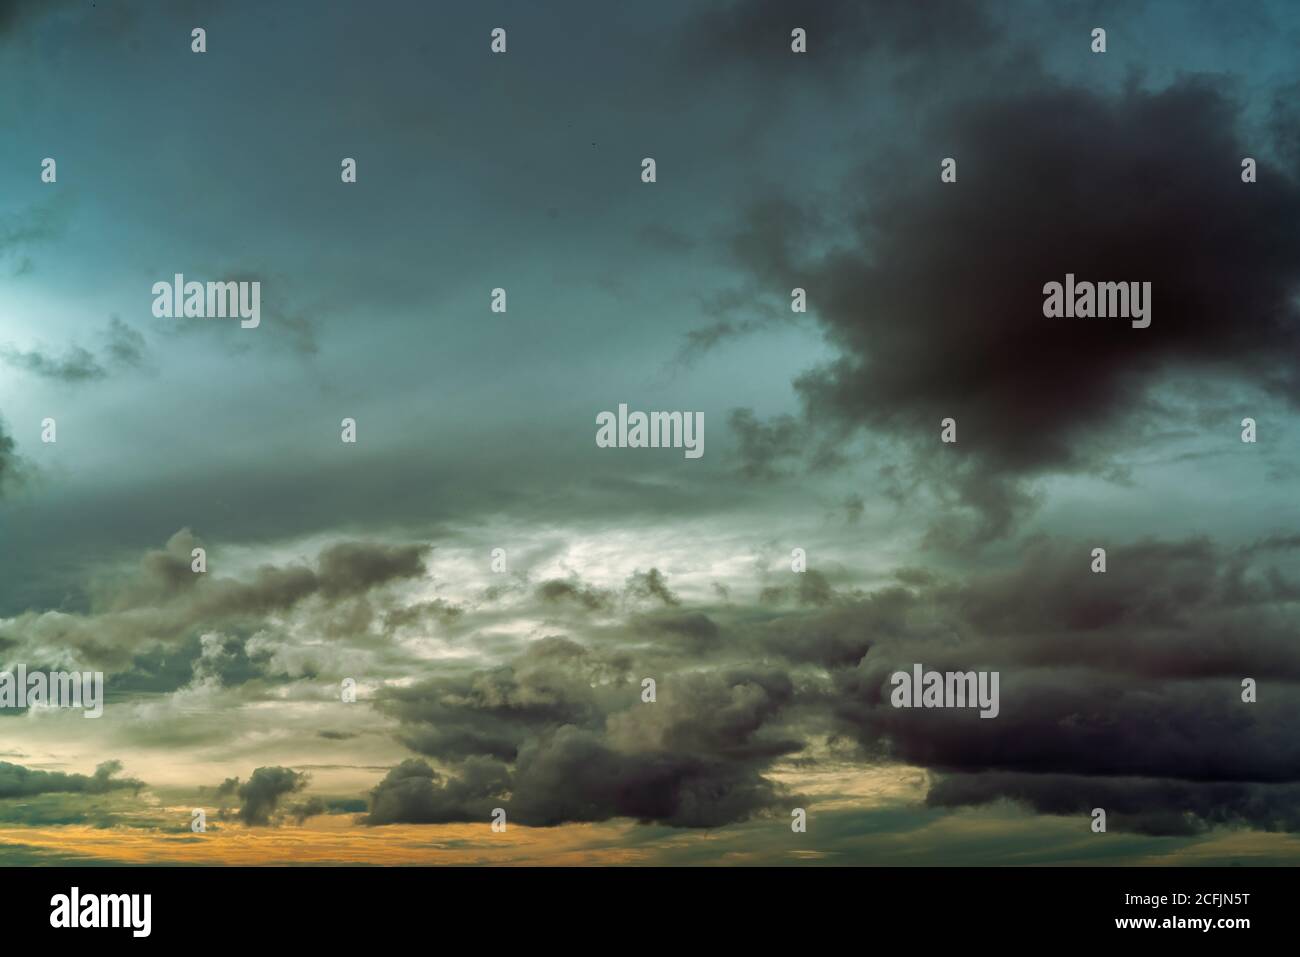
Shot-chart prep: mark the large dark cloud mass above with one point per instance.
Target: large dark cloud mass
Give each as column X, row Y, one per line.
column 935, row 307
column 1159, row 807
column 564, row 733
column 1134, row 675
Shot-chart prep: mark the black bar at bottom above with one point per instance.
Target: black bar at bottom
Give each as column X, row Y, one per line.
column 599, row 908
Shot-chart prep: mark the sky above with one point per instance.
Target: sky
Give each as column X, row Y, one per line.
column 499, row 586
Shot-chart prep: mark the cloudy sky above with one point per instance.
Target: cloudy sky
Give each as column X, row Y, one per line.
column 481, row 687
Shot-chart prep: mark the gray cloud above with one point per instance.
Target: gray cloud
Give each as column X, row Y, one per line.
column 651, row 584
column 18, row 781
column 413, row 793
column 8, row 460
column 126, row 346
column 261, row 794
column 557, row 590
column 124, row 349
column 164, row 603
column 563, row 732
column 76, row 365
column 1145, row 805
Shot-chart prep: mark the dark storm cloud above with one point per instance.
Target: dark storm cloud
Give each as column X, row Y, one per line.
column 1284, row 123
column 1188, row 609
column 413, row 793
column 728, row 714
column 1184, row 609
column 1074, row 721
column 936, row 309
column 1135, row 673
column 575, row 776
column 18, row 781
column 261, row 794
column 1147, row 806
column 493, row 712
column 564, row 734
